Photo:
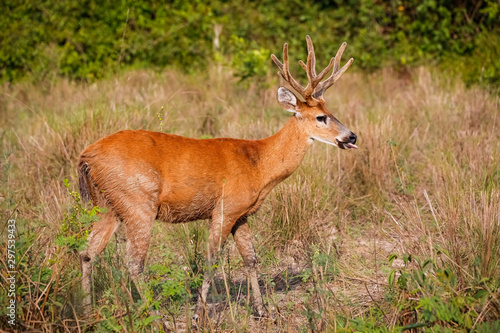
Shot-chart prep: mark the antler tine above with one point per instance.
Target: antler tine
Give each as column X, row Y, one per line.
column 311, row 75
column 310, row 49
column 301, row 63
column 277, row 62
column 310, row 65
column 332, row 79
column 338, row 56
column 285, row 72
column 313, row 92
column 336, row 74
column 343, row 69
column 326, row 70
column 310, row 68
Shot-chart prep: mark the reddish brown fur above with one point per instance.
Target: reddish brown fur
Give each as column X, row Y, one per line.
column 140, row 176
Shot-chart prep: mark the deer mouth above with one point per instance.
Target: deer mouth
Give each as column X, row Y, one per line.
column 346, row 145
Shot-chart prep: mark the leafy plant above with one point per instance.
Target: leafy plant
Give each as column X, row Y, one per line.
column 75, row 227
column 249, row 61
column 435, row 295
column 47, row 38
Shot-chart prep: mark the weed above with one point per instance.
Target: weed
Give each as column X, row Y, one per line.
column 76, row 224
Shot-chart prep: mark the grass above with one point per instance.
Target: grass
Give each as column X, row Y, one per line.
column 402, row 233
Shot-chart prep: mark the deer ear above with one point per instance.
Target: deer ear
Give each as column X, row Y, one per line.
column 287, row 99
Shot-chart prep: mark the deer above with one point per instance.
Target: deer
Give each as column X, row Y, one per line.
column 141, row 176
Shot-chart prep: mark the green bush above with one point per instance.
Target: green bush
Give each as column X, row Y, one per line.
column 88, row 39
column 75, row 227
column 433, row 293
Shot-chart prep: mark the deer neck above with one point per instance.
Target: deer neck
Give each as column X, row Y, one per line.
column 283, row 152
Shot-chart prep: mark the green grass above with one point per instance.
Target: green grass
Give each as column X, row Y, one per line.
column 424, row 186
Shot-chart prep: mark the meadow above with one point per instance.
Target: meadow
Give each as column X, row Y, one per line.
column 401, row 234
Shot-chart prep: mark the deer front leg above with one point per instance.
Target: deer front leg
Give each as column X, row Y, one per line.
column 243, row 240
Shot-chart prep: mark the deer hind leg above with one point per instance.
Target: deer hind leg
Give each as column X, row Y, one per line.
column 97, row 241
column 138, row 227
column 139, row 221
column 219, row 231
column 243, row 240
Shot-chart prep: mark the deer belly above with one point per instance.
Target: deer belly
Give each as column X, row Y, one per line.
column 196, row 207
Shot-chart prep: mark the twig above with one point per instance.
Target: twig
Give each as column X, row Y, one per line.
column 123, row 37
column 130, row 320
column 76, row 317
column 228, row 294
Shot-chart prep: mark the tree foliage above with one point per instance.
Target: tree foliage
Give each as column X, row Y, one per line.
column 84, row 39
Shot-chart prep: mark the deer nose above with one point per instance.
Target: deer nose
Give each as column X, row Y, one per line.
column 352, row 138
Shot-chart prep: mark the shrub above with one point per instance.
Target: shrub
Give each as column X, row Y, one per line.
column 86, row 40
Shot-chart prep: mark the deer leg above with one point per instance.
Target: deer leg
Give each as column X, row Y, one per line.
column 243, row 240
column 219, row 231
column 138, row 227
column 97, row 241
column 138, row 231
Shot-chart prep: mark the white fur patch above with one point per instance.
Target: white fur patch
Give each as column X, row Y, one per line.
column 321, row 140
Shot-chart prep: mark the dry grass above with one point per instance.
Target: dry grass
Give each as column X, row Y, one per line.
column 425, row 182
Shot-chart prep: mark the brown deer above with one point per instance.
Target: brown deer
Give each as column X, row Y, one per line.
column 142, row 176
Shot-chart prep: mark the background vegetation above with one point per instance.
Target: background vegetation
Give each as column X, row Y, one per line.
column 402, row 234
column 86, row 39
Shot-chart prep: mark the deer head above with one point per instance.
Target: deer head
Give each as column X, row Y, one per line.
column 318, row 123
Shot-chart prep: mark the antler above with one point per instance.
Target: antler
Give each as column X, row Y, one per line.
column 313, row 92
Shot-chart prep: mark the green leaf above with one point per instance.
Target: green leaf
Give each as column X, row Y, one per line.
column 481, row 293
column 427, row 262
column 391, row 277
column 392, row 256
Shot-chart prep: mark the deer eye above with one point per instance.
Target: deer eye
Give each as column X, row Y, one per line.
column 321, row 119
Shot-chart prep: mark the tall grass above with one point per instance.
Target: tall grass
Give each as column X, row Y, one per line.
column 425, row 182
